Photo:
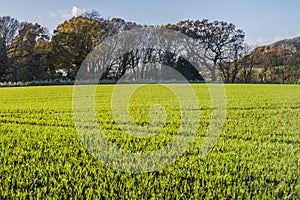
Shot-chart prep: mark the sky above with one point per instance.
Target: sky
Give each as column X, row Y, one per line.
column 263, row 21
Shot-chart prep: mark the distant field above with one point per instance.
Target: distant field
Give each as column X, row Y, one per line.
column 256, row 157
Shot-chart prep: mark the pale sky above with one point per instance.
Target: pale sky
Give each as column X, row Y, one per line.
column 264, row 21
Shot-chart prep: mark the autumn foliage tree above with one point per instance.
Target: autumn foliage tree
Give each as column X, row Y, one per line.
column 24, row 53
column 269, row 64
column 73, row 41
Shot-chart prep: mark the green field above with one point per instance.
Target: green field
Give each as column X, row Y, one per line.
column 256, row 157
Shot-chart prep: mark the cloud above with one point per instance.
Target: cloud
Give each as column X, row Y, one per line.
column 52, row 14
column 77, row 11
column 270, row 40
column 297, row 35
column 66, row 14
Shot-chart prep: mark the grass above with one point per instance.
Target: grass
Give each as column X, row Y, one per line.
column 256, row 157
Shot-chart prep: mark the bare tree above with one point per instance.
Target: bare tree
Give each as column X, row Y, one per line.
column 221, row 41
column 9, row 28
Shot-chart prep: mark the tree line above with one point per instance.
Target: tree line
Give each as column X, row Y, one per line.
column 28, row 52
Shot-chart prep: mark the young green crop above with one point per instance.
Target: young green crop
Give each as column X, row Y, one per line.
column 256, row 157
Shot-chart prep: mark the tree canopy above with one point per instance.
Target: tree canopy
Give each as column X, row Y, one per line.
column 28, row 52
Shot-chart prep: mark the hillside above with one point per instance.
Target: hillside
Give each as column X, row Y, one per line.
column 275, row 63
column 293, row 44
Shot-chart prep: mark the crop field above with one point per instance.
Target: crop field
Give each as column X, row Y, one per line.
column 257, row 155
